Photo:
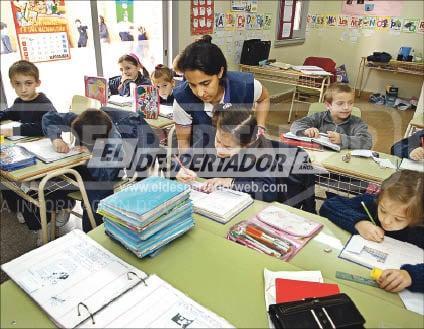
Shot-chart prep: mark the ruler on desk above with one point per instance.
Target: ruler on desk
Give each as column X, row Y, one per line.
column 356, row 278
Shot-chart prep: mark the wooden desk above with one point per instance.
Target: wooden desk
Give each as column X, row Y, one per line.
column 411, row 68
column 46, row 171
column 290, row 77
column 221, row 275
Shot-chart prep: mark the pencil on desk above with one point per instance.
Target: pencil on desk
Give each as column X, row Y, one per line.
column 368, row 213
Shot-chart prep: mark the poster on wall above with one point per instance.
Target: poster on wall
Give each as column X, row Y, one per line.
column 251, row 6
column 421, row 27
column 267, row 21
column 124, row 11
column 238, row 5
column 41, row 28
column 370, row 7
column 202, row 16
column 410, row 25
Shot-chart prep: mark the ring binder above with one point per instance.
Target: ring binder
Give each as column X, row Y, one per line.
column 141, row 279
column 79, row 313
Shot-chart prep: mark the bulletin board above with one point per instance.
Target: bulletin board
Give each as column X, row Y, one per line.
column 202, row 16
column 41, row 29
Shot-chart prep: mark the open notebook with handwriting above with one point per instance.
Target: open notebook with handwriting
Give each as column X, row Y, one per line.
column 78, row 283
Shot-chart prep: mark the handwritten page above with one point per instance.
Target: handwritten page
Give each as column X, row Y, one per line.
column 75, row 273
column 388, row 254
column 43, row 149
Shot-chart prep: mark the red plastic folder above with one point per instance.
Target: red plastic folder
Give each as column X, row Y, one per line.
column 291, row 290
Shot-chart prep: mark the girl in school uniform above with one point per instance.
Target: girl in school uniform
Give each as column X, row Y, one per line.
column 398, row 211
column 411, row 147
column 236, row 140
column 131, row 71
column 208, row 83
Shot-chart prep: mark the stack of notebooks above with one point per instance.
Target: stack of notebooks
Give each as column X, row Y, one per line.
column 221, row 204
column 147, row 215
column 275, row 232
column 13, row 157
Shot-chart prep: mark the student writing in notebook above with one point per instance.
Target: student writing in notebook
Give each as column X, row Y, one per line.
column 398, row 211
column 342, row 128
column 116, row 138
column 411, row 147
column 269, row 176
column 163, row 79
column 132, row 71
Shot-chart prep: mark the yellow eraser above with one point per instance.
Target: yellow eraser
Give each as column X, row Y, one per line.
column 376, row 273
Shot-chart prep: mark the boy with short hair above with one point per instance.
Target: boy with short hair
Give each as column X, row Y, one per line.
column 116, row 138
column 30, row 106
column 28, row 109
column 344, row 129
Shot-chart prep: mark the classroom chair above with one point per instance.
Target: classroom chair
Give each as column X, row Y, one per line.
column 320, row 107
column 303, row 95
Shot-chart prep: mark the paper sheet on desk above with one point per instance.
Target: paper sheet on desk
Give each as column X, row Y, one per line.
column 414, row 301
column 270, row 276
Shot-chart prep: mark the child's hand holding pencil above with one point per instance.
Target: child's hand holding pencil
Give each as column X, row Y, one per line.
column 185, row 175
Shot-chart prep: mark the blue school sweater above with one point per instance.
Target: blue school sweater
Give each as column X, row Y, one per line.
column 345, row 212
column 29, row 113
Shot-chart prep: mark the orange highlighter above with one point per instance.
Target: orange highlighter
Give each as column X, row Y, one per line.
column 269, row 241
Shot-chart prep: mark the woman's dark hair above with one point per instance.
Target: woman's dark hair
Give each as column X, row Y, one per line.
column 102, row 19
column 132, row 58
column 91, row 125
column 204, row 56
column 237, row 120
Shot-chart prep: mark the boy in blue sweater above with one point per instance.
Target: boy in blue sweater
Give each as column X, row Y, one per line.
column 399, row 213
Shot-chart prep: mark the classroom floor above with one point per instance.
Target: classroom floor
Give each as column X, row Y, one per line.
column 385, row 124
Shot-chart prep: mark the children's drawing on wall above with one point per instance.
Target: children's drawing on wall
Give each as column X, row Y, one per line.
column 6, row 45
column 268, row 21
column 230, row 21
column 396, row 24
column 82, row 33
column 410, row 25
column 219, row 21
column 421, row 27
column 240, row 21
column 251, row 6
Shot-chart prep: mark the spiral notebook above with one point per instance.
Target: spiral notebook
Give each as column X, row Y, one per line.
column 78, row 283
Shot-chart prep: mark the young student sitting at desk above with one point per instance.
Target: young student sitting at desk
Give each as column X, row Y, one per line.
column 398, row 211
column 28, row 109
column 342, row 128
column 163, row 79
column 131, row 71
column 30, row 105
column 411, row 147
column 116, row 138
column 237, row 139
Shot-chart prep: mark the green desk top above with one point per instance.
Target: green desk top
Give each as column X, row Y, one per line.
column 360, row 167
column 312, row 256
column 224, row 277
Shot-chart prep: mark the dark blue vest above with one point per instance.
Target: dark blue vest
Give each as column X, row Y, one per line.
column 238, row 90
